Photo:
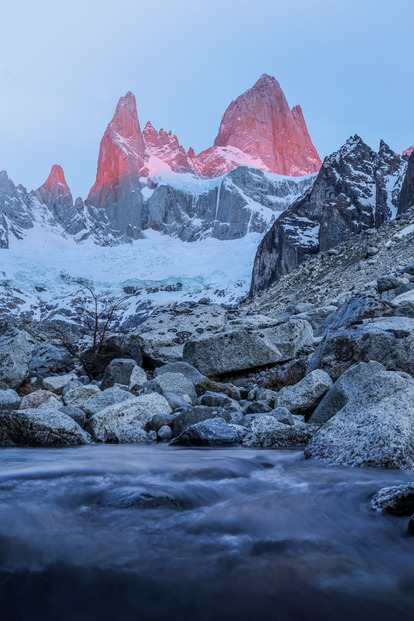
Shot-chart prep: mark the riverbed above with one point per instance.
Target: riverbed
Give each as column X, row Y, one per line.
column 135, row 532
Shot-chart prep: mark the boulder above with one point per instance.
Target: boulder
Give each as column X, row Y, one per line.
column 197, row 414
column 184, row 368
column 78, row 395
column 345, row 389
column 16, row 349
column 158, row 421
column 165, row 433
column 56, row 383
column 49, row 360
column 174, row 401
column 211, row 432
column 218, row 399
column 257, row 407
column 268, row 432
column 9, row 400
column 36, row 398
column 118, row 371
column 101, row 400
column 125, row 421
column 373, row 429
column 389, row 341
column 163, row 335
column 243, row 349
column 356, row 309
column 53, row 403
column 137, row 379
column 317, row 316
column 404, row 303
column 176, row 383
column 282, row 415
column 304, row 396
column 77, row 414
column 40, row 427
column 397, row 500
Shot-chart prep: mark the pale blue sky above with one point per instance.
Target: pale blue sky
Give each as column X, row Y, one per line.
column 64, row 64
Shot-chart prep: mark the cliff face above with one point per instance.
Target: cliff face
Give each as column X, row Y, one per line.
column 356, row 189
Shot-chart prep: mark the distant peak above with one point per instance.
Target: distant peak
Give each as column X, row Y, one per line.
column 56, row 177
column 125, row 119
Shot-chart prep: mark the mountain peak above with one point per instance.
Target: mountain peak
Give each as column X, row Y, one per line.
column 261, row 124
column 55, row 190
column 125, row 120
column 56, row 177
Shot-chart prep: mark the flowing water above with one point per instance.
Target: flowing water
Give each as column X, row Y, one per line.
column 123, row 532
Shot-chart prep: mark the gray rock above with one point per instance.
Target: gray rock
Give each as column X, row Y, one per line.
column 282, row 415
column 77, row 396
column 16, row 349
column 211, row 432
column 385, row 283
column 37, row 398
column 181, row 367
column 386, row 340
column 241, row 349
column 268, row 432
column 123, row 422
column 118, row 371
column 397, row 500
column 163, row 335
column 197, row 414
column 137, row 379
column 345, row 389
column 257, row 407
column 218, row 399
column 53, row 403
column 409, row 268
column 75, row 383
column 40, row 427
column 304, row 396
column 9, row 400
column 356, row 309
column 77, row 414
column 56, row 383
column 49, row 360
column 174, row 401
column 100, row 400
column 165, row 433
column 317, row 316
column 174, row 382
column 158, row 421
column 374, row 428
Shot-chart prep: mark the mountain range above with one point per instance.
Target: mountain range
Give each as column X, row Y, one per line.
column 262, row 176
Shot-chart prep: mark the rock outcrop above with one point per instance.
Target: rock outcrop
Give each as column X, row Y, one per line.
column 356, row 189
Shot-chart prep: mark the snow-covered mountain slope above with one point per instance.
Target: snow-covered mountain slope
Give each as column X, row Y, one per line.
column 36, row 272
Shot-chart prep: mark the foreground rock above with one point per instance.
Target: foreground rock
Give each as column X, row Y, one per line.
column 212, row 432
column 200, row 413
column 247, row 349
column 101, row 400
column 387, row 340
column 347, row 387
column 9, row 400
column 304, row 396
column 40, row 427
column 118, row 371
column 397, row 500
column 374, row 428
column 176, row 383
column 16, row 348
column 56, row 383
column 36, row 398
column 268, row 432
column 124, row 422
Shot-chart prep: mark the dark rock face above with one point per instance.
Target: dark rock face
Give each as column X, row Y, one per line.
column 407, row 190
column 351, row 194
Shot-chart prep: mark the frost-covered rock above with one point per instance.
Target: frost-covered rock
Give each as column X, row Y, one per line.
column 100, row 400
column 388, row 340
column 78, row 395
column 16, row 349
column 211, row 432
column 127, row 419
column 163, row 335
column 303, row 397
column 345, row 389
column 373, row 429
column 397, row 500
column 243, row 349
column 9, row 400
column 40, row 427
column 176, row 383
column 56, row 383
column 181, row 367
column 36, row 398
column 268, row 432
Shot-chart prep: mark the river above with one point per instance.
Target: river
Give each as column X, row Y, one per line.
column 133, row 532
